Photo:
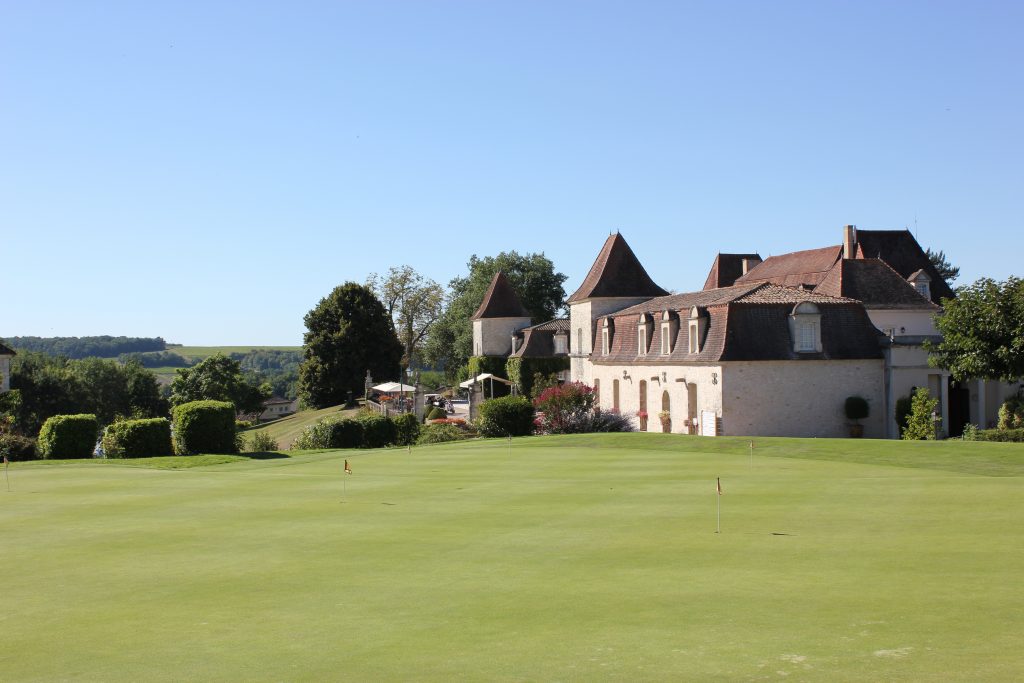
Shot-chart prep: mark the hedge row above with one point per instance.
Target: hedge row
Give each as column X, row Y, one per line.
column 138, row 439
column 1014, row 435
column 369, row 431
column 68, row 436
column 204, row 427
column 521, row 370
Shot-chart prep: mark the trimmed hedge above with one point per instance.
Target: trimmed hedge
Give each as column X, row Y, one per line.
column 378, row 431
column 1014, row 435
column 68, row 436
column 331, row 433
column 506, row 416
column 138, row 439
column 407, row 429
column 204, row 427
column 436, row 414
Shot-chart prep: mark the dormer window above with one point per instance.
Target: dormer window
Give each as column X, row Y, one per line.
column 561, row 343
column 696, row 327
column 669, row 327
column 643, row 335
column 922, row 283
column 805, row 328
column 606, row 337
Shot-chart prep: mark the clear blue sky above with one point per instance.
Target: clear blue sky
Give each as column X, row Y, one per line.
column 207, row 171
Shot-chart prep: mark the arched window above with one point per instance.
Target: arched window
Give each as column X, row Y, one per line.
column 579, row 340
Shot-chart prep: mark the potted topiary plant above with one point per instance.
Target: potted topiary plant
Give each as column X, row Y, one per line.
column 856, row 409
column 666, row 421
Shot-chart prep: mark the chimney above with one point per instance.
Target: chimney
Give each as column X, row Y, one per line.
column 849, row 241
column 749, row 263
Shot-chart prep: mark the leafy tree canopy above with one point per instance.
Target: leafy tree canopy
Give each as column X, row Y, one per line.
column 947, row 270
column 532, row 275
column 982, row 332
column 348, row 333
column 49, row 386
column 219, row 378
column 413, row 302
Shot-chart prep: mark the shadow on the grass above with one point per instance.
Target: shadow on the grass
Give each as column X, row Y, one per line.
column 265, row 455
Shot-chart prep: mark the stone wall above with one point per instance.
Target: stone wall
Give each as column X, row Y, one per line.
column 800, row 398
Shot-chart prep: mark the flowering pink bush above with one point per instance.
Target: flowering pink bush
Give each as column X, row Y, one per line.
column 565, row 408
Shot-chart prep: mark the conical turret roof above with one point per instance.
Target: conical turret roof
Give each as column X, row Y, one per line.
column 616, row 273
column 501, row 301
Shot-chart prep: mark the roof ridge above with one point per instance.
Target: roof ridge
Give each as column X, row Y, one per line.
column 500, row 301
column 616, row 272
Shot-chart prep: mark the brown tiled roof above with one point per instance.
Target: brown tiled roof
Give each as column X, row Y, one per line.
column 558, row 324
column 726, row 269
column 500, row 301
column 6, row 351
column 683, row 302
column 616, row 273
column 538, row 341
column 873, row 283
column 745, row 322
column 777, row 294
column 795, row 269
column 901, row 251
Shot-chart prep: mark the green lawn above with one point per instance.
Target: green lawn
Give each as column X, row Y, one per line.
column 560, row 558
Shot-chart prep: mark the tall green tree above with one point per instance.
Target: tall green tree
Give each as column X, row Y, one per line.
column 532, row 275
column 219, row 378
column 413, row 302
column 982, row 332
column 947, row 270
column 347, row 333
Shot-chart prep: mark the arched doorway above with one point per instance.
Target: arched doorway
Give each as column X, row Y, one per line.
column 642, row 413
column 615, row 395
column 666, row 412
column 691, row 407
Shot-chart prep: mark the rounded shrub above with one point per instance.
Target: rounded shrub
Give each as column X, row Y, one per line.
column 436, row 413
column 407, row 429
column 138, row 439
column 856, row 408
column 506, row 416
column 378, row 431
column 68, row 436
column 204, row 427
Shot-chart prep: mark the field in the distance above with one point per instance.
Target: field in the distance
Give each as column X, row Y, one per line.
column 557, row 558
column 201, row 352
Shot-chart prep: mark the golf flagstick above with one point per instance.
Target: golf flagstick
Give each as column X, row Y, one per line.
column 751, row 455
column 7, row 477
column 718, row 488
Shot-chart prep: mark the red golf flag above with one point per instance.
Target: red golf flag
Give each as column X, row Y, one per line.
column 718, row 485
column 348, row 470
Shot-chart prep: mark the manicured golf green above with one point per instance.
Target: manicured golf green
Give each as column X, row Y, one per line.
column 556, row 558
